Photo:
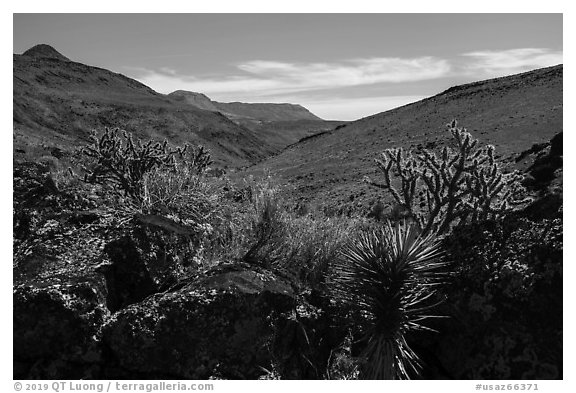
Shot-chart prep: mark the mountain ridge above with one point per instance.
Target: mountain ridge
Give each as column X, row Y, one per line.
column 248, row 111
column 279, row 125
column 57, row 103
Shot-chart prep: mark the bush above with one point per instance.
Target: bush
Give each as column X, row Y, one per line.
column 313, row 242
column 177, row 213
column 255, row 226
column 119, row 161
column 266, row 226
column 463, row 185
column 180, row 192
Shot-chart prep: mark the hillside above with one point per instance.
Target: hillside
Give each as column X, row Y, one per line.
column 57, row 102
column 279, row 125
column 281, row 134
column 512, row 113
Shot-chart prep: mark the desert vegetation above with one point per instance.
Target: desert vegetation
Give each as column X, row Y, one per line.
column 159, row 268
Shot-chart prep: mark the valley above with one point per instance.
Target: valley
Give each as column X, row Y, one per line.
column 276, row 246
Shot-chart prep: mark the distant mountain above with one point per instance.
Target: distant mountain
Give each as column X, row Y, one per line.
column 278, row 124
column 512, row 113
column 57, row 102
column 268, row 112
column 240, row 110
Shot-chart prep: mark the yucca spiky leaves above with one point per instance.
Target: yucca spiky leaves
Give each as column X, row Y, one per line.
column 390, row 276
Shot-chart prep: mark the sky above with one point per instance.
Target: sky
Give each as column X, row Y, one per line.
column 339, row 66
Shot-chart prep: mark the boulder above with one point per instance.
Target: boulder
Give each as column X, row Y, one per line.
column 127, row 277
column 56, row 330
column 59, row 298
column 220, row 326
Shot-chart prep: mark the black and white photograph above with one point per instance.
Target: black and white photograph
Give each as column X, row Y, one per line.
column 287, row 196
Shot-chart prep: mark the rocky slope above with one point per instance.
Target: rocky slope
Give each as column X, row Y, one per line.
column 512, row 113
column 122, row 309
column 57, row 102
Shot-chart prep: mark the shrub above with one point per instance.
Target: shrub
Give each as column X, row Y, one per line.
column 254, row 225
column 179, row 210
column 313, row 242
column 266, row 225
column 120, row 161
column 463, row 184
column 389, row 277
column 170, row 209
column 179, row 192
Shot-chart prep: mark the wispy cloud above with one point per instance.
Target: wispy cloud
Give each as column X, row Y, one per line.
column 506, row 62
column 353, row 72
column 267, row 78
column 324, row 87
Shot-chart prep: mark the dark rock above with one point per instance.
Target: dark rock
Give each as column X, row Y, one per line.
column 556, row 144
column 164, row 223
column 56, row 152
column 221, row 325
column 59, row 299
column 535, row 149
column 22, row 222
column 168, row 248
column 548, row 206
column 127, row 277
column 57, row 329
column 503, row 300
column 84, row 217
column 543, row 172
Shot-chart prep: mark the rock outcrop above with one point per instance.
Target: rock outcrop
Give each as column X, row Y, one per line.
column 216, row 327
column 99, row 301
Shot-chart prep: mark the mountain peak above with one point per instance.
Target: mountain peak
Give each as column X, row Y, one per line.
column 46, row 52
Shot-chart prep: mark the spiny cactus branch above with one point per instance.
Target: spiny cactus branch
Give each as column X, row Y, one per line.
column 463, row 184
column 119, row 160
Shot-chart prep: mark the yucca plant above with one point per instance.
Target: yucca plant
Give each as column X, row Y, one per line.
column 389, row 277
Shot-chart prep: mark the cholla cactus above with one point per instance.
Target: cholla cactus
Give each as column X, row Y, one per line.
column 122, row 162
column 199, row 159
column 463, row 184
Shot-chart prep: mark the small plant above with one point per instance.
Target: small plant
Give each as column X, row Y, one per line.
column 463, row 185
column 266, row 224
column 178, row 191
column 313, row 242
column 389, row 277
column 120, row 161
